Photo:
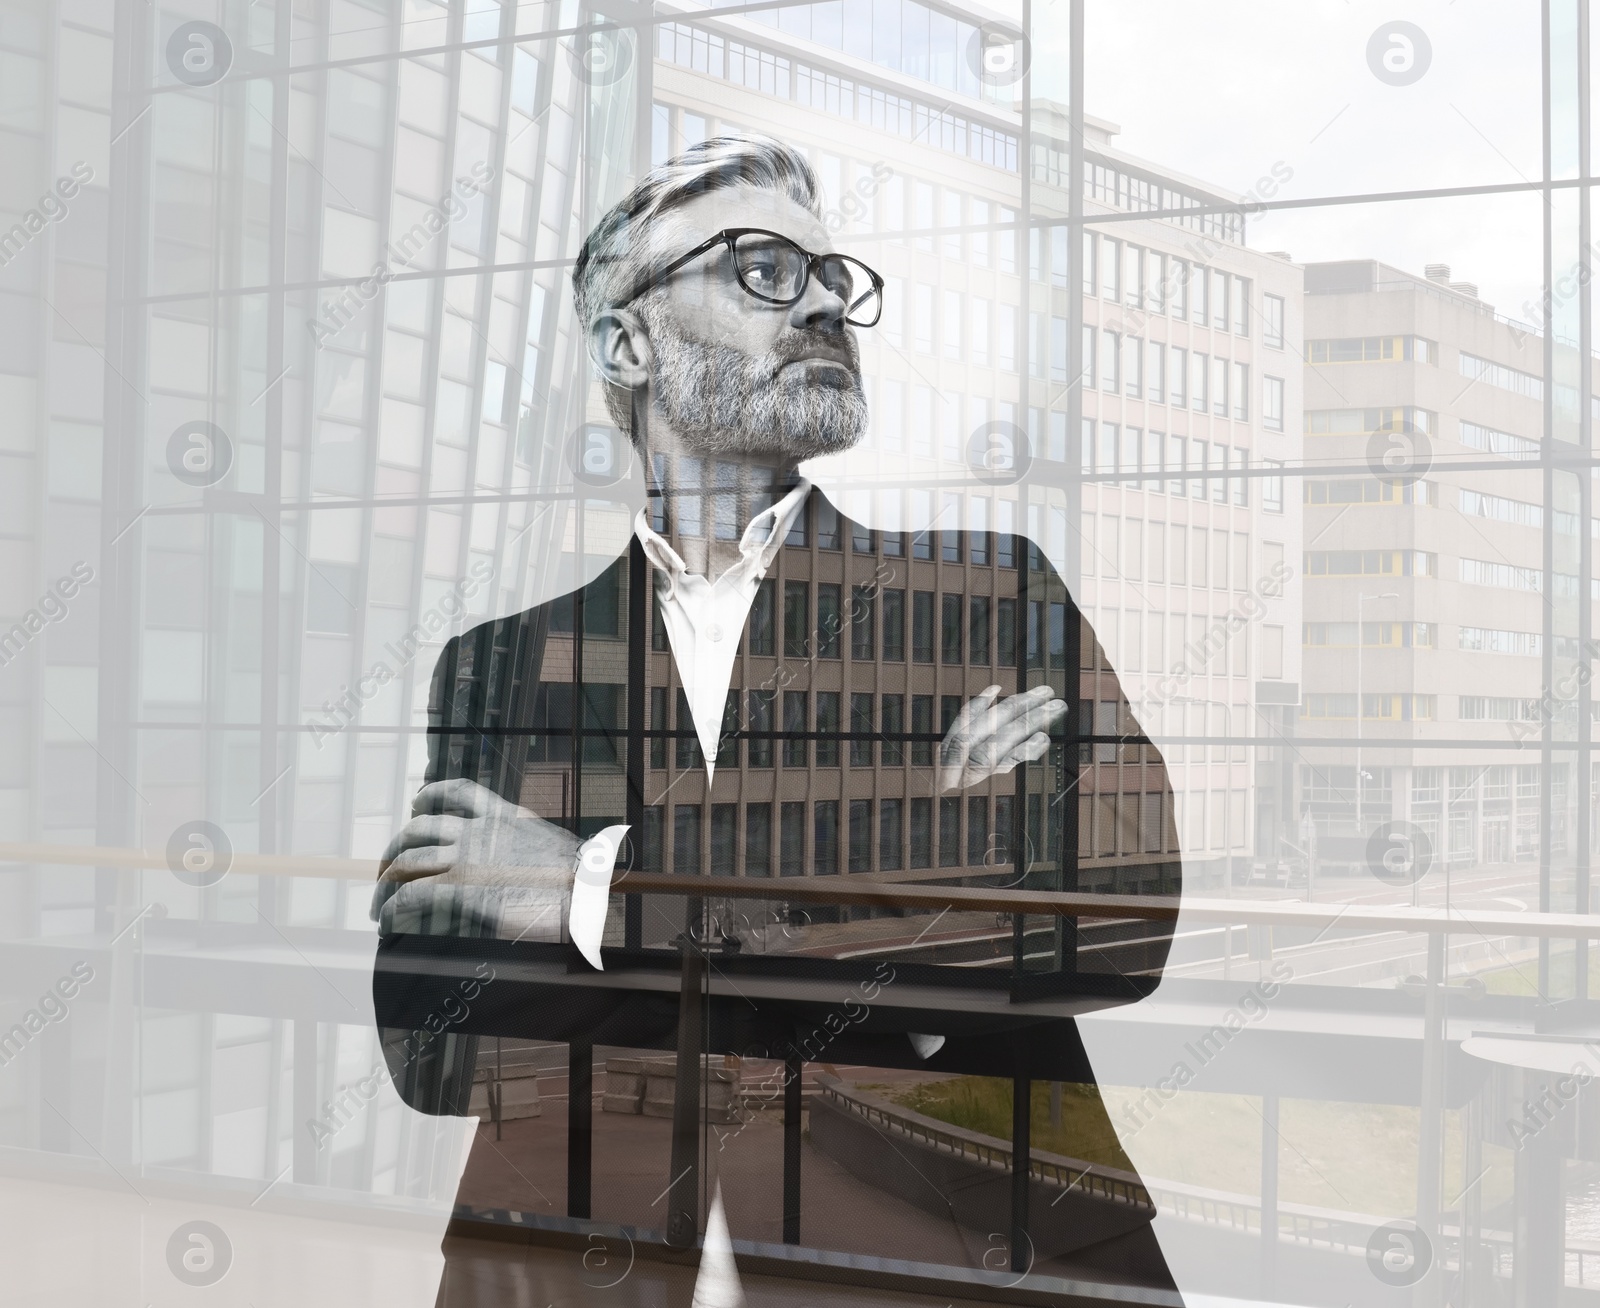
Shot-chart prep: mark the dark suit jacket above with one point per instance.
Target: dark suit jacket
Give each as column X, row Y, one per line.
column 860, row 648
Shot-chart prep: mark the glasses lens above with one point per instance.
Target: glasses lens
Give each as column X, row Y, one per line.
column 856, row 286
column 770, row 266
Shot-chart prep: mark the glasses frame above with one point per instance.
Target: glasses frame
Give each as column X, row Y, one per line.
column 728, row 236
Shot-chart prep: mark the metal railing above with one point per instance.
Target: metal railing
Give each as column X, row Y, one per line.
column 1069, row 1175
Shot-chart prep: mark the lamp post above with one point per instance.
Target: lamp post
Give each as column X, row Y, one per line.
column 1361, row 640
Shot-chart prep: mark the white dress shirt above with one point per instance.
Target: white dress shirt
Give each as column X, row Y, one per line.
column 704, row 618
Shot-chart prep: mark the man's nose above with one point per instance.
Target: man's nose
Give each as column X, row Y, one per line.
column 820, row 308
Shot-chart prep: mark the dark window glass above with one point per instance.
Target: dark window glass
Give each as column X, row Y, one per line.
column 1058, row 635
column 1035, row 557
column 950, row 831
column 761, row 715
column 724, row 839
column 977, row 830
column 762, row 625
column 552, row 715
column 796, row 711
column 978, row 629
column 828, row 707
column 688, row 504
column 861, row 835
column 860, row 539
column 861, row 726
column 950, row 546
column 862, row 605
column 894, row 626
column 658, row 625
column 979, row 540
column 658, row 726
column 830, row 620
column 686, row 840
column 1052, row 821
column 758, row 840
column 949, row 706
column 1006, row 550
column 921, row 833
column 891, row 854
column 650, row 856
column 1085, row 728
column 602, row 606
column 894, row 544
column 1036, row 826
column 922, row 725
column 828, row 537
column 1035, row 633
column 798, row 533
column 727, row 740
column 894, row 725
column 922, row 626
column 950, row 629
column 796, row 620
column 1006, row 631
column 1005, row 816
column 688, row 741
column 792, row 840
column 825, row 848
column 922, row 545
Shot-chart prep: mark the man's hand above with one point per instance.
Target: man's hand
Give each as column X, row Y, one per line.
column 990, row 735
column 464, row 834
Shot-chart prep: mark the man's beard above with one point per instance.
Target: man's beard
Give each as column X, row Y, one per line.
column 724, row 401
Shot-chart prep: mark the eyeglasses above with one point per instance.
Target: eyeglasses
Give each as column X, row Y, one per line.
column 773, row 268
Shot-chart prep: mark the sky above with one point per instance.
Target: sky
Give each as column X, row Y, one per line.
column 1225, row 92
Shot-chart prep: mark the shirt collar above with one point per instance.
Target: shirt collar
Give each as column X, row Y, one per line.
column 762, row 539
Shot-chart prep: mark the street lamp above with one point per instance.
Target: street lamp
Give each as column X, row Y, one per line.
column 1361, row 640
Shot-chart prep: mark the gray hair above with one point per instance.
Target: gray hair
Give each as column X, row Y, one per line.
column 614, row 257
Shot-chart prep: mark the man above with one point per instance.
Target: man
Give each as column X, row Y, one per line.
column 841, row 699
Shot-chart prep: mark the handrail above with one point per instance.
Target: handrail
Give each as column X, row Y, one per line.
column 863, row 890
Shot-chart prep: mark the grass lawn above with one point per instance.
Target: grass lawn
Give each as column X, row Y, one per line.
column 1357, row 1157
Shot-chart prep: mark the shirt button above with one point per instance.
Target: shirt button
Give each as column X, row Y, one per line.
column 714, row 632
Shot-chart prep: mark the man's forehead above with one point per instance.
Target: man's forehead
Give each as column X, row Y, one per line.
column 747, row 206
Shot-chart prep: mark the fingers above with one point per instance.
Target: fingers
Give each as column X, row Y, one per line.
column 422, row 861
column 1037, row 719
column 458, row 796
column 430, row 829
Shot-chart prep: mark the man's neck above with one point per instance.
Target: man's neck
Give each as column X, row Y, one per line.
column 705, row 489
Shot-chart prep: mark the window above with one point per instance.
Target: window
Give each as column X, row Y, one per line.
column 1390, row 563
column 1133, row 366
column 1006, row 633
column 1089, row 256
column 894, row 626
column 1199, row 371
column 796, row 620
column 1132, row 276
column 724, row 839
column 1272, row 488
column 1110, row 359
column 658, row 726
column 825, row 846
column 653, row 852
column 1178, row 272
column 828, row 707
column 922, row 725
column 1272, row 320
column 978, row 629
column 1219, row 386
column 1241, row 392
column 687, row 743
column 758, row 840
column 861, row 835
column 800, row 529
column 686, row 840
column 1372, row 349
column 827, row 526
column 952, row 324
column 1272, row 652
column 893, row 730
column 1155, row 372
column 977, row 830
column 862, row 604
column 1110, row 259
column 861, row 744
column 950, row 831
column 1272, row 403
column 1177, row 375
column 1219, row 299
column 924, row 319
column 891, row 835
column 796, row 721
column 950, row 629
column 761, row 704
column 792, row 839
column 978, row 330
column 922, row 626
column 921, row 833
column 830, row 620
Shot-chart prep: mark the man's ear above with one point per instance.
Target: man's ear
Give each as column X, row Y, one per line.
column 620, row 349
